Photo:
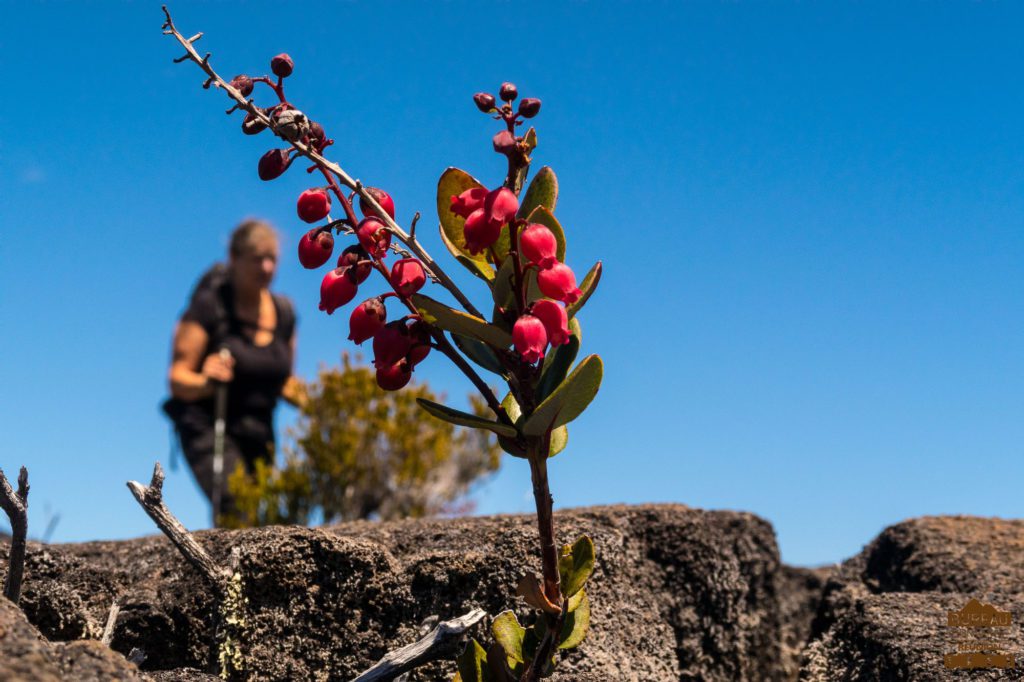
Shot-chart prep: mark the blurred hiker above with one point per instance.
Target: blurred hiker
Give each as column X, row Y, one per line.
column 238, row 339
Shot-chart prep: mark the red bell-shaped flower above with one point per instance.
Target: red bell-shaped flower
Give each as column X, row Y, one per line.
column 559, row 282
column 395, row 376
column 391, row 344
column 407, row 276
column 529, row 338
column 556, row 322
column 336, row 290
column 500, row 206
column 374, row 237
column 356, row 262
column 366, row 320
column 539, row 245
column 315, row 248
column 382, row 198
column 479, row 233
column 469, row 201
column 313, row 205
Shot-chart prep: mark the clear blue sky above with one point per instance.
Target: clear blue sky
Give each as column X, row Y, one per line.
column 810, row 217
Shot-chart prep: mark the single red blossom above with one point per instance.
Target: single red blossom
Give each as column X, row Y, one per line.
column 484, row 102
column 313, row 205
column 559, row 282
column 480, row 234
column 374, row 237
column 419, row 333
column 315, row 248
column 529, row 107
column 467, row 202
column 529, row 337
column 391, row 344
column 556, row 322
column 395, row 376
column 508, row 92
column 357, row 263
column 539, row 245
column 336, row 290
column 273, row 164
column 282, row 65
column 407, row 276
column 382, row 198
column 500, row 206
column 367, row 319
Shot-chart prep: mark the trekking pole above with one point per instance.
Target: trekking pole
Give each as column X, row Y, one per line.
column 219, row 415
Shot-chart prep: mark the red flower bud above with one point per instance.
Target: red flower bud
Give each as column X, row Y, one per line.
column 469, row 201
column 508, row 92
column 316, row 133
column 243, row 84
column 407, row 276
column 374, row 237
column 356, row 262
column 501, row 205
column 504, row 143
column 382, row 198
column 479, row 233
column 252, row 125
column 273, row 164
column 529, row 107
column 539, row 245
column 391, row 344
column 529, row 338
column 484, row 102
column 367, row 319
column 336, row 290
column 315, row 248
column 556, row 322
column 313, row 205
column 282, row 65
column 559, row 282
column 394, row 377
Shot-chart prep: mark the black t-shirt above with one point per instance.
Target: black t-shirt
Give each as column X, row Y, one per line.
column 260, row 371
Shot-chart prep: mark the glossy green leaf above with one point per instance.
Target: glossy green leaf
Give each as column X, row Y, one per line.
column 533, row 292
column 480, row 353
column 479, row 268
column 575, row 565
column 504, row 285
column 575, row 626
column 559, row 437
column 460, row 418
column 569, row 399
column 543, row 216
column 558, row 361
column 587, row 287
column 472, row 663
column 576, row 600
column 543, row 191
column 452, row 183
column 509, row 634
column 449, row 319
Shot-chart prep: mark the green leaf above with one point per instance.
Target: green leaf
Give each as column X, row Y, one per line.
column 502, row 668
column 449, row 319
column 482, row 270
column 533, row 292
column 529, row 588
column 543, row 216
column 452, row 183
column 558, row 361
column 472, row 663
column 543, row 191
column 453, row 416
column 509, row 634
column 559, row 437
column 576, row 600
column 530, row 140
column 480, row 353
column 504, row 286
column 569, row 399
column 587, row 288
column 575, row 626
column 575, row 565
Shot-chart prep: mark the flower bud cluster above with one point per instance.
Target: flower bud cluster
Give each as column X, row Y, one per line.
column 506, row 141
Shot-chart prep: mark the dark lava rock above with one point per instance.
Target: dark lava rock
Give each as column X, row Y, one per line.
column 883, row 613
column 677, row 594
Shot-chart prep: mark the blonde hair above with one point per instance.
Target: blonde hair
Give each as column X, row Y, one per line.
column 247, row 232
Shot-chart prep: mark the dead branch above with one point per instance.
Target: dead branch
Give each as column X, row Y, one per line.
column 108, row 631
column 402, row 660
column 152, row 500
column 15, row 504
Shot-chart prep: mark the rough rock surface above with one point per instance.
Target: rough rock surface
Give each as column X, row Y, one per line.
column 883, row 614
column 677, row 594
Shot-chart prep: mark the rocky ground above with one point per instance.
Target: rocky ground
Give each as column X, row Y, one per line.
column 677, row 594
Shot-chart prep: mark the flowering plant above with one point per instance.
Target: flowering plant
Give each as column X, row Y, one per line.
column 509, row 238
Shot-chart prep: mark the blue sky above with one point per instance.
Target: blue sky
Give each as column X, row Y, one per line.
column 810, row 217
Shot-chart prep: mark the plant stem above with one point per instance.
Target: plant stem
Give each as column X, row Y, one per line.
column 545, row 520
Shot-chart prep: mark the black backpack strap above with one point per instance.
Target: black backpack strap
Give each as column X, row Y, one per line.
column 286, row 316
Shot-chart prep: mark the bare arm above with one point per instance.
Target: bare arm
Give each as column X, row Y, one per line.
column 192, row 376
